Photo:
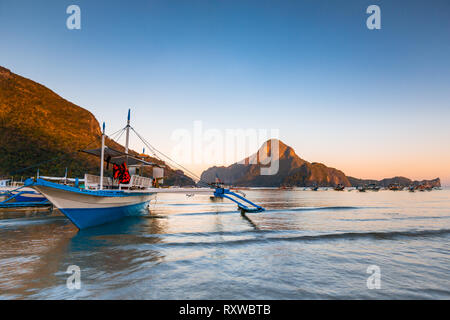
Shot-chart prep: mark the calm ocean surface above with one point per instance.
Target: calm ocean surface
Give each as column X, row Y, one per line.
column 307, row 245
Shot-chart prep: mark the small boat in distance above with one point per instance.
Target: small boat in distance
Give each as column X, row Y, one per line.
column 395, row 187
column 339, row 187
column 373, row 187
column 424, row 188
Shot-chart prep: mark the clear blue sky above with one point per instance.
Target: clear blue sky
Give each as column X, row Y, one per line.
column 372, row 103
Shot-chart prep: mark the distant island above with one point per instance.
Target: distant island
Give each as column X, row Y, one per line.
column 295, row 172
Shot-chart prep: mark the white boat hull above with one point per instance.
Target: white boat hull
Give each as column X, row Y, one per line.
column 88, row 209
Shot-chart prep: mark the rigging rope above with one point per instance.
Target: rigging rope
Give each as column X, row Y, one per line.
column 171, row 160
column 118, row 134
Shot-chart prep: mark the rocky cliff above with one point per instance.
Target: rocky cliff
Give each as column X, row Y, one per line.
column 404, row 182
column 293, row 170
column 37, row 126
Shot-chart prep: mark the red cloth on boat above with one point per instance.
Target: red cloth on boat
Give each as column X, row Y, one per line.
column 125, row 175
column 121, row 173
column 116, row 171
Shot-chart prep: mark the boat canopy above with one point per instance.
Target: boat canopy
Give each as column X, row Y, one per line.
column 117, row 157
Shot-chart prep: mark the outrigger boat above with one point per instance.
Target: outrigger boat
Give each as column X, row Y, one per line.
column 361, row 188
column 22, row 197
column 16, row 195
column 103, row 200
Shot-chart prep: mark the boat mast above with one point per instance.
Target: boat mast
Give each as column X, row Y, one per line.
column 127, row 136
column 102, row 157
column 141, row 169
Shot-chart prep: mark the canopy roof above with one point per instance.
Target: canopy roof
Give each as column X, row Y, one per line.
column 118, row 157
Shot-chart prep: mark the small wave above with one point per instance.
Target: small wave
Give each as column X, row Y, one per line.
column 381, row 235
column 204, row 213
column 181, row 204
column 30, row 221
column 399, row 218
column 332, row 208
column 390, row 235
column 221, row 233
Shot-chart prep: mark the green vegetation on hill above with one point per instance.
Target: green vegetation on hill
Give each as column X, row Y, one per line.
column 37, row 125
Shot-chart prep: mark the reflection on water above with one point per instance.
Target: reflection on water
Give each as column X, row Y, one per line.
column 306, row 245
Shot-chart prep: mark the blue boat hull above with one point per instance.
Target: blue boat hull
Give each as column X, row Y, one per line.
column 90, row 217
column 90, row 208
column 25, row 198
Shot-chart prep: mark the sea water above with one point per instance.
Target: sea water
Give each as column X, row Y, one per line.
column 306, row 245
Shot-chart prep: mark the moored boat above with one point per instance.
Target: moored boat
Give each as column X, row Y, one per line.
column 22, row 194
column 104, row 199
column 87, row 208
column 14, row 194
column 361, row 188
column 395, row 187
column 373, row 187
